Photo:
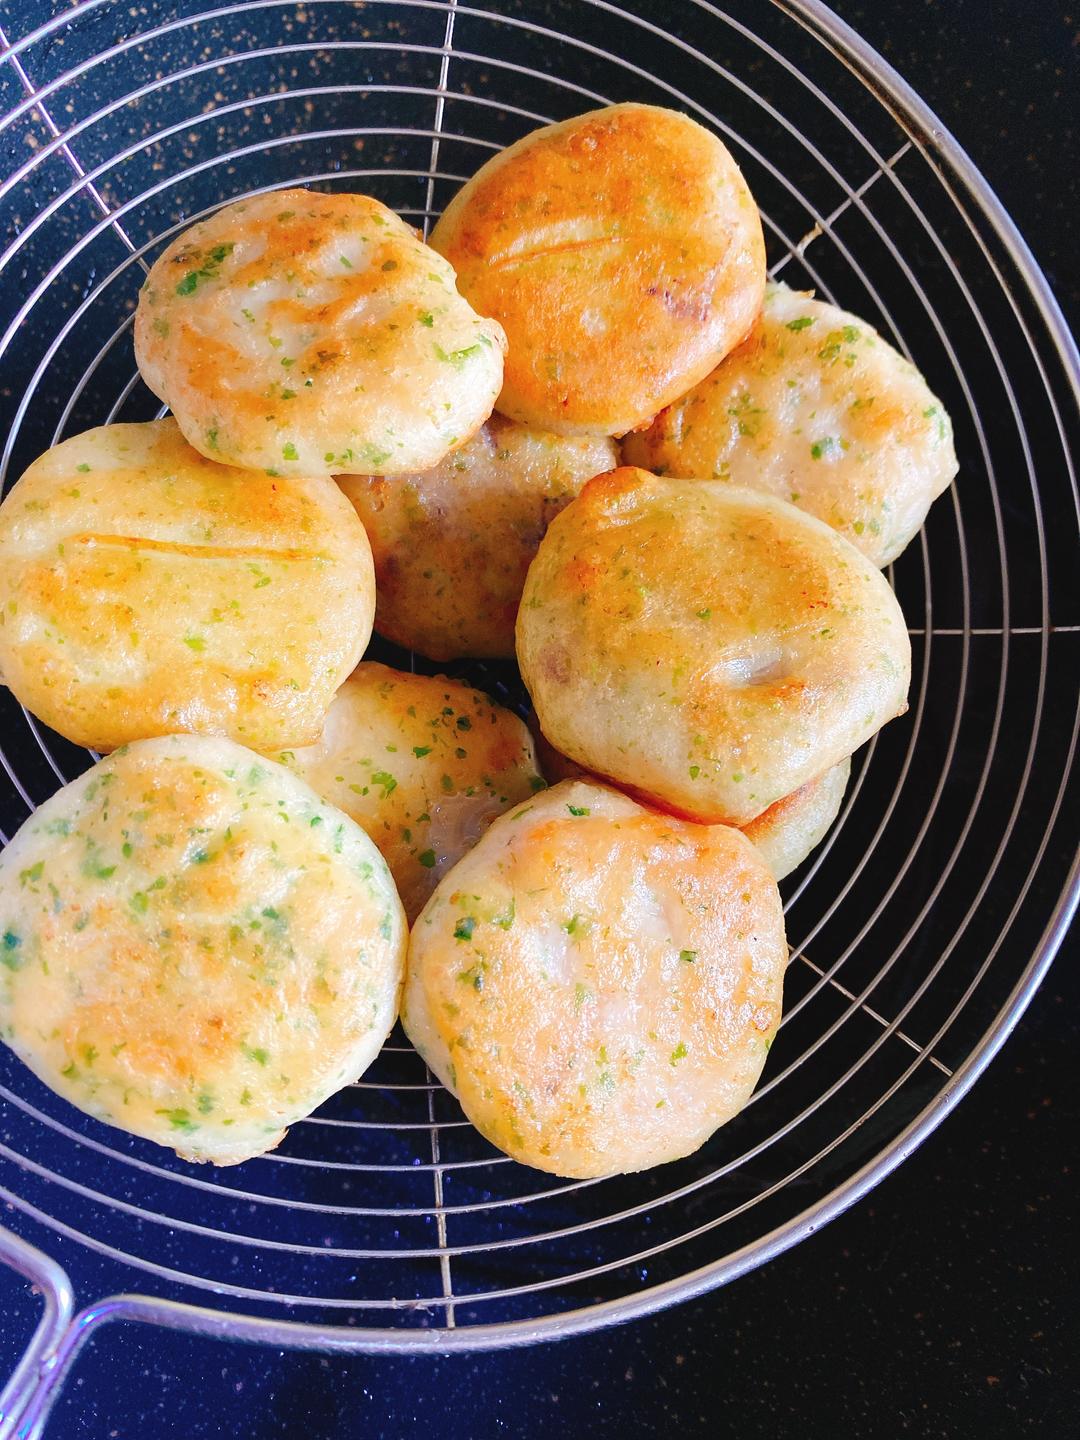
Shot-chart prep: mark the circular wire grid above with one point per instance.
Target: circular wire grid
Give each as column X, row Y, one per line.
column 924, row 922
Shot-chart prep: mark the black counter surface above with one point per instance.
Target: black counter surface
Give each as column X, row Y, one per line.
column 945, row 1304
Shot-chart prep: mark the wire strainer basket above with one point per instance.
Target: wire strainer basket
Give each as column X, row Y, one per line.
column 922, row 926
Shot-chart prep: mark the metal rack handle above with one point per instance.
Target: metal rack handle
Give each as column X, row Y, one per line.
column 26, row 1397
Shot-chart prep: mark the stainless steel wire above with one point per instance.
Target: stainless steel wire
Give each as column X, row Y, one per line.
column 385, row 1209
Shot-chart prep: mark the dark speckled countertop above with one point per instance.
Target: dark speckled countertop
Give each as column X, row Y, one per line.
column 948, row 1302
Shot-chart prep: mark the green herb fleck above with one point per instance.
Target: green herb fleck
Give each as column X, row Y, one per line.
column 178, row 1119
column 678, row 1053
column 93, row 868
column 427, row 859
column 207, row 271
column 456, row 358
column 802, row 323
column 688, row 956
column 386, row 780
column 579, row 809
column 827, row 445
column 474, row 976
column 464, row 928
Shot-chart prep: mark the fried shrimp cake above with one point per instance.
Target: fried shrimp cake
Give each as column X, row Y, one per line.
column 196, row 948
column 622, row 253
column 817, row 408
column 423, row 764
column 145, row 590
column 712, row 648
column 452, row 545
column 303, row 334
column 598, row 983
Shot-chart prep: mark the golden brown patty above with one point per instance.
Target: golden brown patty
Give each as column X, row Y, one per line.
column 598, row 983
column 452, row 545
column 195, row 948
column 423, row 763
column 711, row 647
column 145, row 590
column 621, row 252
column 817, row 408
column 302, row 334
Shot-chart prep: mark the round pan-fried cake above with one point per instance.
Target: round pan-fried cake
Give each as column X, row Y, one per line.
column 195, row 947
column 145, row 590
column 598, row 983
column 452, row 545
column 784, row 834
column 622, row 253
column 712, row 647
column 423, row 763
column 303, row 334
column 816, row 408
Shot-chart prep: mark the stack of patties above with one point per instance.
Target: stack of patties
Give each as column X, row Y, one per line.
column 205, row 935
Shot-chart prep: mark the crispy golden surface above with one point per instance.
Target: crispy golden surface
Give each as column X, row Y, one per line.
column 195, row 948
column 145, row 591
column 302, row 334
column 452, row 545
column 789, row 830
column 621, row 252
column 423, row 764
column 598, row 983
column 817, row 408
column 711, row 647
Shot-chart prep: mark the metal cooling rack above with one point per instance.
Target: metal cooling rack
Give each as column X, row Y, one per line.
column 919, row 930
